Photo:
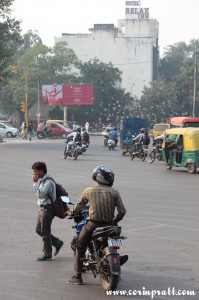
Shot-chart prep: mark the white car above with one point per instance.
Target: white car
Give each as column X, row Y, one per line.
column 8, row 131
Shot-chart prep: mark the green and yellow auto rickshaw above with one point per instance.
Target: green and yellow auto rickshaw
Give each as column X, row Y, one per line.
column 181, row 148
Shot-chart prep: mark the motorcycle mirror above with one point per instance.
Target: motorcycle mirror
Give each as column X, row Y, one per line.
column 66, row 200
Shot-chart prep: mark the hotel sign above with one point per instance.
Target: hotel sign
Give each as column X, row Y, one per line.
column 133, row 10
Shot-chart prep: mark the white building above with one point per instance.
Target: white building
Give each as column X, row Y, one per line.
column 132, row 47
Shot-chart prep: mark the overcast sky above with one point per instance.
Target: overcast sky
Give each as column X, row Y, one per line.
column 178, row 19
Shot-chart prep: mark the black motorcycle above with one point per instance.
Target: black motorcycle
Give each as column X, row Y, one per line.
column 140, row 151
column 47, row 134
column 156, row 152
column 101, row 256
column 74, row 150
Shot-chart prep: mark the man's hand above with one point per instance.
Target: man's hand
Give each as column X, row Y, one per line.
column 35, row 178
column 69, row 212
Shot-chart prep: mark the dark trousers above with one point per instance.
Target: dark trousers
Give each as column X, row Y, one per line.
column 82, row 242
column 43, row 228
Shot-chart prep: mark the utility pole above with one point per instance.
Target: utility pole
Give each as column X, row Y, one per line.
column 26, row 94
column 195, row 81
column 24, row 104
column 38, row 99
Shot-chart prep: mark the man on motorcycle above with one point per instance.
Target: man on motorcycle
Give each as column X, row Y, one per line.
column 138, row 139
column 44, row 129
column 72, row 138
column 85, row 136
column 113, row 135
column 103, row 199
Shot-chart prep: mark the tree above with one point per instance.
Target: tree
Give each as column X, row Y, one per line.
column 173, row 94
column 10, row 39
column 111, row 103
column 159, row 101
column 48, row 65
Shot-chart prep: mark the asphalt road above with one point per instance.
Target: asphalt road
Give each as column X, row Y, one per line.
column 162, row 224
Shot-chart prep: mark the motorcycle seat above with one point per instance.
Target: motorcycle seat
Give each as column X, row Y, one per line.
column 107, row 231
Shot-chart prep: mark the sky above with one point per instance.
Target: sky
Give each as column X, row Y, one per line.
column 177, row 18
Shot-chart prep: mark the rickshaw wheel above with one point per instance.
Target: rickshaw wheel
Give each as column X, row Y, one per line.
column 191, row 168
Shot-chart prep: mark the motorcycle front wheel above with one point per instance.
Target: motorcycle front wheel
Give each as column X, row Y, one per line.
column 151, row 157
column 65, row 154
column 142, row 154
column 75, row 154
column 131, row 154
column 109, row 281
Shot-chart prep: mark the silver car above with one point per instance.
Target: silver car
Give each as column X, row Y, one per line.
column 8, row 131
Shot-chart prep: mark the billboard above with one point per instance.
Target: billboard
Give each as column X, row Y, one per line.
column 67, row 94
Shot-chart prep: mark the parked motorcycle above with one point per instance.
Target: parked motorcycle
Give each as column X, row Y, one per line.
column 111, row 144
column 155, row 153
column 74, row 150
column 140, row 151
column 101, row 256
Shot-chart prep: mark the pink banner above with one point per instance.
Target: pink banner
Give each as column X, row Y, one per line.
column 67, row 94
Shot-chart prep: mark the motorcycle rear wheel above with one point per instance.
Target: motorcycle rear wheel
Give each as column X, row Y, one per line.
column 53, row 136
column 109, row 281
column 40, row 136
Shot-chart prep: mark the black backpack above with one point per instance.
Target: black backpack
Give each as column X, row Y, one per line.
column 59, row 206
column 86, row 137
column 30, row 127
column 146, row 140
column 78, row 137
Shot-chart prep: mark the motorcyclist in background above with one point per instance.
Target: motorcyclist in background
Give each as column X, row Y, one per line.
column 73, row 137
column 113, row 135
column 138, row 139
column 85, row 136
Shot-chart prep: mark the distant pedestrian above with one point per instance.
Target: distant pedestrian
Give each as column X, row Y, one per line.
column 30, row 130
column 46, row 191
column 87, row 126
column 24, row 130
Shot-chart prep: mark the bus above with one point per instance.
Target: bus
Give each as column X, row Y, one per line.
column 184, row 122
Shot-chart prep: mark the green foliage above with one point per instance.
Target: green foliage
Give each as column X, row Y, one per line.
column 111, row 103
column 43, row 65
column 10, row 39
column 173, row 94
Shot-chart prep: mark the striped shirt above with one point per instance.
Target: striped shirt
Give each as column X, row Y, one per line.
column 103, row 201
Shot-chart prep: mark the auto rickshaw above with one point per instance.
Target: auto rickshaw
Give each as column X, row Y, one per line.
column 182, row 144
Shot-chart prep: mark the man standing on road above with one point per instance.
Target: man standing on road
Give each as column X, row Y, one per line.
column 46, row 192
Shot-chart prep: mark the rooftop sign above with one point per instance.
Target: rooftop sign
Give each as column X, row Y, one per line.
column 133, row 10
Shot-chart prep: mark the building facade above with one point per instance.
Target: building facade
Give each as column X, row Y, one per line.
column 132, row 47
